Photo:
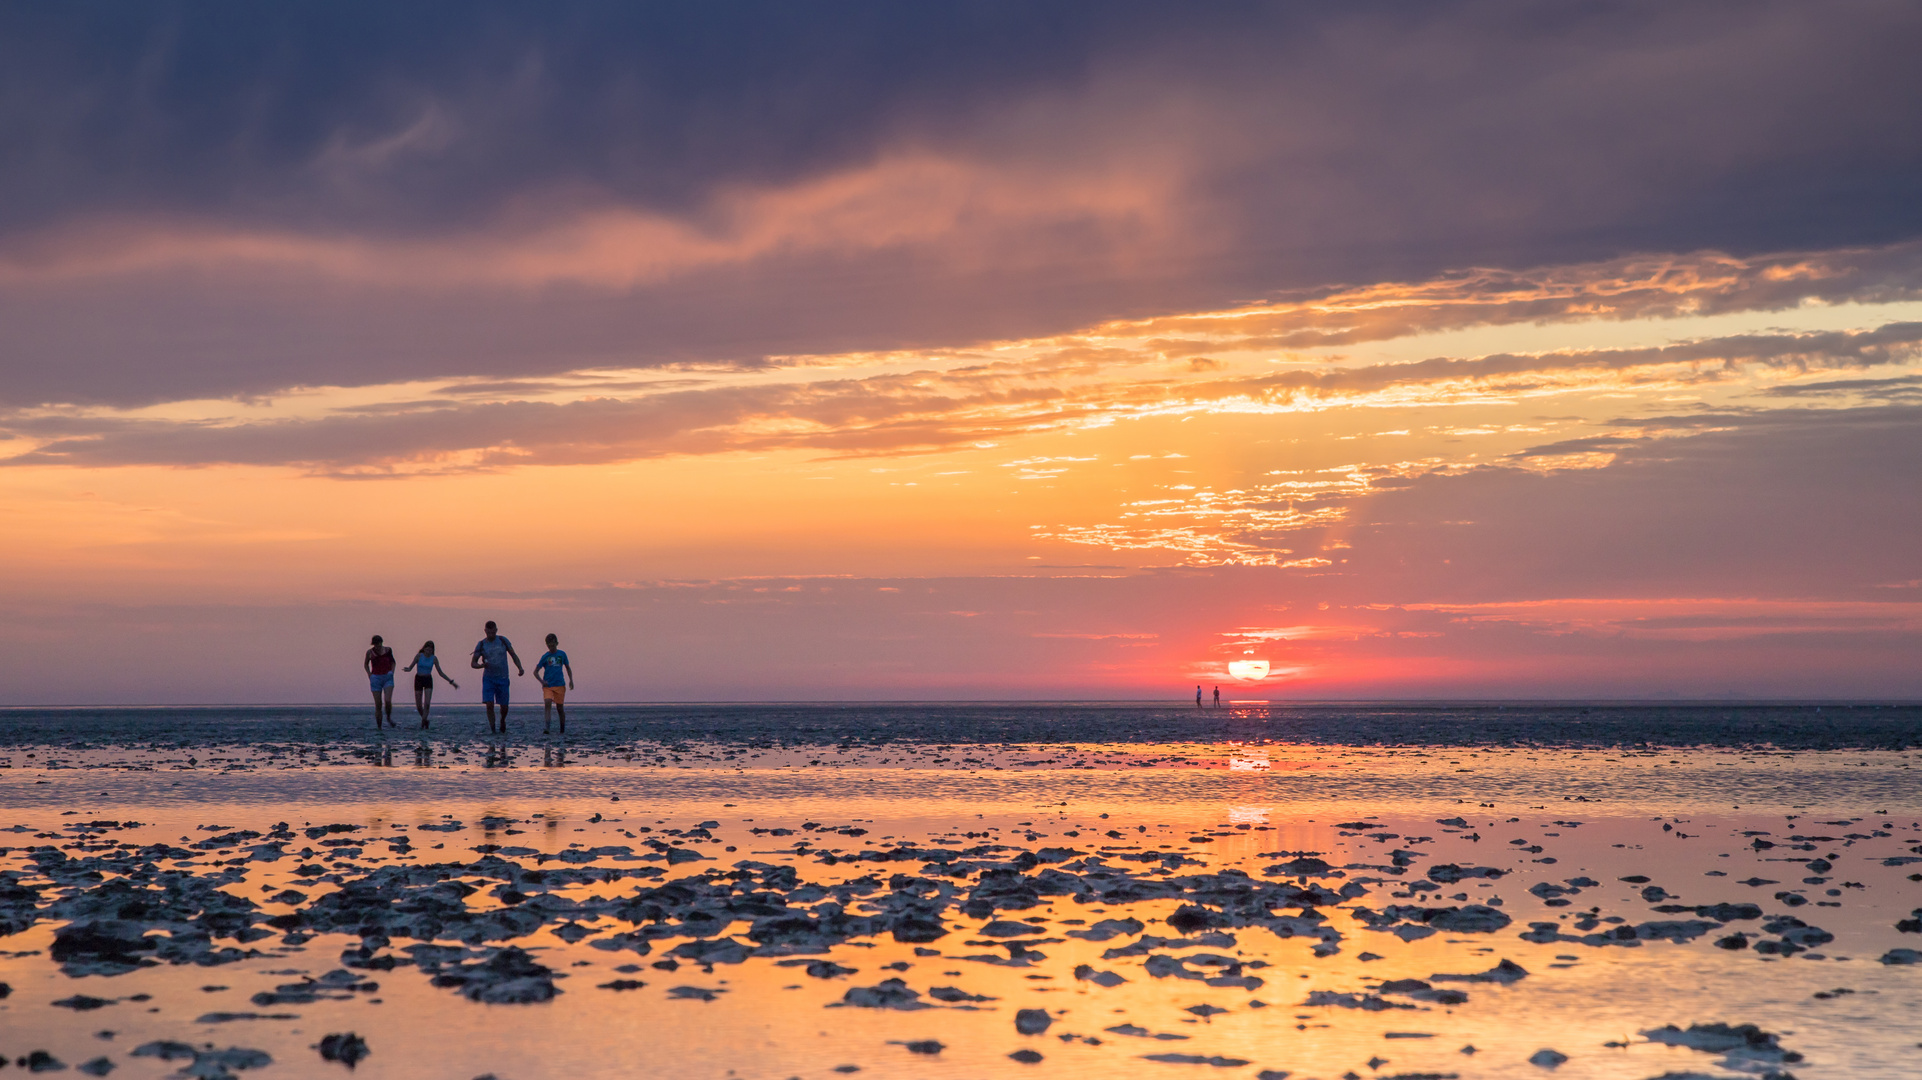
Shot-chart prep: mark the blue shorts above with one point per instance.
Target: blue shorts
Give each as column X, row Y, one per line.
column 494, row 690
column 381, row 682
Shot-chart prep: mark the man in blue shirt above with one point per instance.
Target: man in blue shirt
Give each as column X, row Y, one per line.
column 551, row 667
column 491, row 653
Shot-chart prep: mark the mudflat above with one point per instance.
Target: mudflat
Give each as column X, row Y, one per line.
column 984, row 890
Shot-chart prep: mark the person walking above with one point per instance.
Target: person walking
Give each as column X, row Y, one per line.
column 491, row 654
column 1217, row 697
column 423, row 665
column 1197, row 697
column 379, row 665
column 550, row 667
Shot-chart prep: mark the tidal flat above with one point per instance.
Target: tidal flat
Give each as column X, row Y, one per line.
column 826, row 891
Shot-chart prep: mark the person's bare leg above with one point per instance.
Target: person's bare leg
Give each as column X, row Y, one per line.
column 376, row 710
column 490, row 718
column 387, row 698
column 424, row 699
column 561, row 711
column 503, row 718
column 547, row 715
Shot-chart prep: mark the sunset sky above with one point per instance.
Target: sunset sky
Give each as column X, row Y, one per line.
column 986, row 350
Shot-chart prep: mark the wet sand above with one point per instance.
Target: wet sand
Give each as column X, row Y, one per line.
column 210, row 905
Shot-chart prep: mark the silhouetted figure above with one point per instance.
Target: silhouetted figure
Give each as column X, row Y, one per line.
column 554, row 687
column 1197, row 696
column 491, row 653
column 1217, row 697
column 379, row 665
column 423, row 665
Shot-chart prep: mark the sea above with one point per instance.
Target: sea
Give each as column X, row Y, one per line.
column 1267, row 890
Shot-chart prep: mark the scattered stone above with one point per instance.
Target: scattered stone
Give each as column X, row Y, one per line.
column 1196, row 1059
column 1086, row 973
column 346, row 1048
column 1547, row 1059
column 1505, row 973
column 887, row 994
column 1136, row 1032
column 509, row 977
column 1032, row 1021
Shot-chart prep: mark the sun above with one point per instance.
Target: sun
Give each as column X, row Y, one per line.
column 1250, row 670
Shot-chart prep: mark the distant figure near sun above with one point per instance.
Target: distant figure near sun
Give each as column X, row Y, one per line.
column 1248, row 670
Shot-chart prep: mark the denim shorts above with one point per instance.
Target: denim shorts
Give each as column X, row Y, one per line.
column 381, row 682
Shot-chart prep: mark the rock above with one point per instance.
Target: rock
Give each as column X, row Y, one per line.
column 887, row 994
column 1450, row 873
column 1306, row 866
column 1196, row 1059
column 346, row 1048
column 1364, row 1002
column 925, row 1046
column 99, row 1066
column 953, row 994
column 828, row 969
column 102, row 947
column 1032, row 1021
column 695, row 993
column 1744, row 1045
column 1505, row 973
column 1547, row 1059
column 40, row 1061
column 1001, row 928
column 206, row 1063
column 1901, row 956
column 1108, row 928
column 1025, row 1057
column 1134, row 1031
column 716, row 951
column 1087, row 973
column 509, row 977
column 82, row 1003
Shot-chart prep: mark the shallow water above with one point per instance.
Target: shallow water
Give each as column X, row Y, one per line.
column 1106, row 824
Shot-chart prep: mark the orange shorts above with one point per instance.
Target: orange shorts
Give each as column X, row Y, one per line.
column 555, row 694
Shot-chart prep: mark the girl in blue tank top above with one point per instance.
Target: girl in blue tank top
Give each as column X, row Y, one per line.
column 424, row 665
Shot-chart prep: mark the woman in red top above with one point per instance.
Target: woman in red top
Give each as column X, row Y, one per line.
column 379, row 663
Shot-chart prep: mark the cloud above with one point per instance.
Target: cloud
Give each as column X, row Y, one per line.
column 197, row 204
column 929, row 410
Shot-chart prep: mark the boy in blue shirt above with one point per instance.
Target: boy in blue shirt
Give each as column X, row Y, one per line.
column 557, row 678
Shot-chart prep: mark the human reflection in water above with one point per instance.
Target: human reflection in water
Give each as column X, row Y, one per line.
column 423, row 755
column 383, row 757
column 555, row 756
column 497, row 758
